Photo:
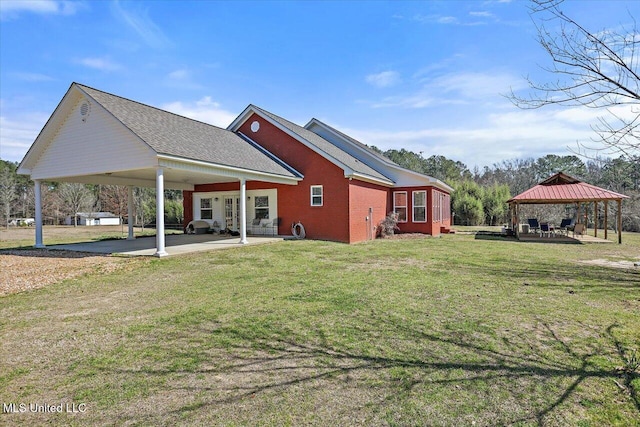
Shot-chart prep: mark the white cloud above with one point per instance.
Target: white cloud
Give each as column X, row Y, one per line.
column 179, row 74
column 103, row 64
column 18, row 133
column 12, row 8
column 204, row 110
column 502, row 136
column 482, row 14
column 140, row 22
column 33, row 77
column 383, row 79
column 464, row 88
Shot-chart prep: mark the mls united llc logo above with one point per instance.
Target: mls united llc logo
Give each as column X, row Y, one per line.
column 21, row 408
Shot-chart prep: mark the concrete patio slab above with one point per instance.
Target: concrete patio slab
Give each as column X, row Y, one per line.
column 175, row 244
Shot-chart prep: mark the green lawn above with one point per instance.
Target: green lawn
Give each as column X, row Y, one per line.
column 436, row 331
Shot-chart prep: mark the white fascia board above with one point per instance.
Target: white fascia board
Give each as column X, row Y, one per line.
column 117, row 180
column 247, row 112
column 441, row 185
column 53, row 124
column 242, row 117
column 367, row 178
column 223, row 170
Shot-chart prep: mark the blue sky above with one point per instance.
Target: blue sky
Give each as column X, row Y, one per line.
column 428, row 76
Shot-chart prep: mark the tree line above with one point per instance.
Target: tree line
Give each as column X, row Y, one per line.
column 62, row 201
column 480, row 194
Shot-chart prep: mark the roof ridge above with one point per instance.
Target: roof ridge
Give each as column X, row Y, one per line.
column 150, row 106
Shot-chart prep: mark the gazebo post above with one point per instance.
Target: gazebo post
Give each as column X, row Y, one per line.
column 515, row 220
column 619, row 221
column 595, row 218
column 606, row 218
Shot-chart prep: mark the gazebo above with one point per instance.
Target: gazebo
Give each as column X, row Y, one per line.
column 564, row 189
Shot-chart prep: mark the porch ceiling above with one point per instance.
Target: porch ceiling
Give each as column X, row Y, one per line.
column 178, row 175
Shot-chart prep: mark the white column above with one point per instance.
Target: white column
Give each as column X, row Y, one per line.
column 243, row 211
column 130, row 214
column 160, row 250
column 38, row 194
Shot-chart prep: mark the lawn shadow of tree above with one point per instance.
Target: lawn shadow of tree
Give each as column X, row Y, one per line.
column 276, row 361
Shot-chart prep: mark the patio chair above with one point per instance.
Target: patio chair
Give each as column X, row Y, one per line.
column 545, row 228
column 255, row 225
column 567, row 225
column 534, row 226
column 578, row 229
column 274, row 226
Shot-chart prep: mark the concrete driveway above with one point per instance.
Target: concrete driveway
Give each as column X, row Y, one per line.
column 175, row 244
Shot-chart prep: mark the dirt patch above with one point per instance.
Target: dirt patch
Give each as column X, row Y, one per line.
column 23, row 270
column 614, row 264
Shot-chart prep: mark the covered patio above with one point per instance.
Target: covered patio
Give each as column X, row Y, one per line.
column 175, row 244
column 564, row 189
column 94, row 137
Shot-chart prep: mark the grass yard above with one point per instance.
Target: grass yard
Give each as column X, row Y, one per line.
column 447, row 331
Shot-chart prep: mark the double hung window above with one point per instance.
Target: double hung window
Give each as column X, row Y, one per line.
column 206, row 210
column 317, row 195
column 400, row 205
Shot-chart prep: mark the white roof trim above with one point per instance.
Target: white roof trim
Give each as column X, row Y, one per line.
column 223, row 170
column 367, row 178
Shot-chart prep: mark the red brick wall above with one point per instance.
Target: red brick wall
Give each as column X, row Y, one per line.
column 362, row 196
column 330, row 221
column 187, row 203
column 346, row 203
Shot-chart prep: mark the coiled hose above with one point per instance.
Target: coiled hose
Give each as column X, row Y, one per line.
column 297, row 230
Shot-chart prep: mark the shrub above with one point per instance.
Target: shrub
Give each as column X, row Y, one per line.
column 389, row 225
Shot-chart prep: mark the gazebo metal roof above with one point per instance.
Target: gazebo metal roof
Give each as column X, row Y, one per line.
column 561, row 189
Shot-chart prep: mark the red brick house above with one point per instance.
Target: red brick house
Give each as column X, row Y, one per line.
column 346, row 188
column 259, row 175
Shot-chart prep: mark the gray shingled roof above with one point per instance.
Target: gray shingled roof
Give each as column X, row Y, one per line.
column 327, row 147
column 175, row 135
column 354, row 141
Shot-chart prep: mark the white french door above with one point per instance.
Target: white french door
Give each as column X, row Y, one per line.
column 232, row 212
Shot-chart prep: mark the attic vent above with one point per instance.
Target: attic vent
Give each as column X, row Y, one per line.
column 85, row 109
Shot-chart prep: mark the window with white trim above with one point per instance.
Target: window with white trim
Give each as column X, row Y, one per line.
column 400, row 205
column 316, row 195
column 419, row 206
column 261, row 205
column 447, row 208
column 206, row 210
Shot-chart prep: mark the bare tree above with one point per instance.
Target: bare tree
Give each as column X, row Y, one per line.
column 593, row 69
column 115, row 199
column 76, row 198
column 7, row 192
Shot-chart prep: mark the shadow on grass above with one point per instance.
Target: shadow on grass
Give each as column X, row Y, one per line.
column 574, row 275
column 49, row 253
column 274, row 361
